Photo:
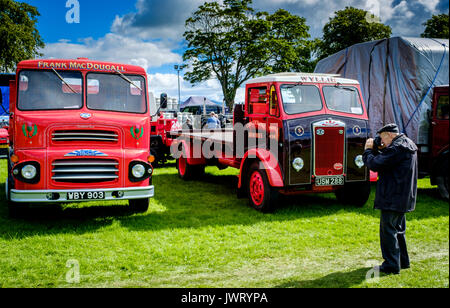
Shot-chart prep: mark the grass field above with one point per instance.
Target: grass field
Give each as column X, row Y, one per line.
column 198, row 234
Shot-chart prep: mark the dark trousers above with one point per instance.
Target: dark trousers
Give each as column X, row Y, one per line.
column 393, row 241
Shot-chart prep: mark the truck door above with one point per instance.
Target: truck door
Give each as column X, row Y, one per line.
column 257, row 114
column 440, row 120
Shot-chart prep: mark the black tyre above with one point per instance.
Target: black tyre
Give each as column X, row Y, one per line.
column 355, row 194
column 15, row 210
column 261, row 195
column 139, row 205
column 442, row 180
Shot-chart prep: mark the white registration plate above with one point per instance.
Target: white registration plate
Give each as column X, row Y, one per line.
column 94, row 195
column 329, row 180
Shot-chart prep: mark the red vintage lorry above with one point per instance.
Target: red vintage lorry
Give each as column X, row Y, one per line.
column 296, row 133
column 160, row 141
column 4, row 142
column 79, row 131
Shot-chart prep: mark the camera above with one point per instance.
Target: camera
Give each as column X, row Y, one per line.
column 377, row 143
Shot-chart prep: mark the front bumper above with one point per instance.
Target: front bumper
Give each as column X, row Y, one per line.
column 22, row 196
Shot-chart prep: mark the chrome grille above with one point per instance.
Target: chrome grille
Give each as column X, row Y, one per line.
column 85, row 135
column 85, row 170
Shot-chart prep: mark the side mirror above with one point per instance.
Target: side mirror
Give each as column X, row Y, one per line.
column 163, row 101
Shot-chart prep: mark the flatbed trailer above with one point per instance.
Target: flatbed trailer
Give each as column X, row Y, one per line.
column 296, row 133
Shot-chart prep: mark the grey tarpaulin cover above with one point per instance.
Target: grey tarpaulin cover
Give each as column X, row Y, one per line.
column 395, row 76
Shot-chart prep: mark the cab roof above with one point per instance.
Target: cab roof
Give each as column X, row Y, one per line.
column 80, row 64
column 303, row 77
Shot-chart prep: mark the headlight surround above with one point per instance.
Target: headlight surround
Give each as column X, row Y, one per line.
column 359, row 162
column 28, row 172
column 298, row 164
column 138, row 171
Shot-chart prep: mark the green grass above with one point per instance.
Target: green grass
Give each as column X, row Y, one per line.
column 198, row 234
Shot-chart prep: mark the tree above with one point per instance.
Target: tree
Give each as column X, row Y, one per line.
column 232, row 43
column 436, row 27
column 351, row 26
column 287, row 41
column 20, row 40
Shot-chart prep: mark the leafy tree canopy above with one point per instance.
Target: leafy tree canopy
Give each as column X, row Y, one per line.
column 436, row 27
column 20, row 40
column 233, row 43
column 351, row 26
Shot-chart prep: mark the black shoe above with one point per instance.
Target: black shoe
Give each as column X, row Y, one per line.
column 405, row 266
column 388, row 270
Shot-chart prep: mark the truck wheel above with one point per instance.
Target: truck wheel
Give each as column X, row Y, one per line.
column 15, row 210
column 355, row 194
column 139, row 205
column 261, row 195
column 187, row 171
column 442, row 180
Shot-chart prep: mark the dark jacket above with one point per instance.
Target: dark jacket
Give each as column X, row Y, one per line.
column 397, row 171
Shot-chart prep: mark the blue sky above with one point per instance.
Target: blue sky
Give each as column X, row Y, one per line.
column 149, row 32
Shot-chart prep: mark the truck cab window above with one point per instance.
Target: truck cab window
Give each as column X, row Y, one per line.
column 343, row 99
column 299, row 98
column 442, row 107
column 45, row 90
column 274, row 109
column 111, row 92
column 257, row 100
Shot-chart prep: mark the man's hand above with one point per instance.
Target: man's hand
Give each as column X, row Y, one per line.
column 369, row 144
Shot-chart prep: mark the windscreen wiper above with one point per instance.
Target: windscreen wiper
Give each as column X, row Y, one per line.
column 127, row 79
column 345, row 88
column 62, row 79
column 290, row 86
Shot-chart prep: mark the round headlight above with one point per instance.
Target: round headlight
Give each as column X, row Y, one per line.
column 138, row 171
column 29, row 172
column 359, row 161
column 298, row 164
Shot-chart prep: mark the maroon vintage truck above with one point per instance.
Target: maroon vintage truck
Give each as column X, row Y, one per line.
column 433, row 158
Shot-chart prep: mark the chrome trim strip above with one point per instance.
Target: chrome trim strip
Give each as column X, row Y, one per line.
column 85, row 163
column 87, row 170
column 85, row 177
column 40, row 196
column 84, row 139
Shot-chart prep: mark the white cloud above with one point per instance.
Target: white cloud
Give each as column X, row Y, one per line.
column 115, row 48
column 168, row 83
column 156, row 19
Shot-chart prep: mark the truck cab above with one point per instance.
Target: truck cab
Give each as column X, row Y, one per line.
column 302, row 133
column 79, row 131
column 434, row 161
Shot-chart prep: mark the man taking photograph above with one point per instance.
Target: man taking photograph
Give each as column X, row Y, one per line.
column 394, row 157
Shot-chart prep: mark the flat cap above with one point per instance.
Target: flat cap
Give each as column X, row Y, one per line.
column 390, row 128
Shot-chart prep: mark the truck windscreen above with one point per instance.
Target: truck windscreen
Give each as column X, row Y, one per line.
column 50, row 90
column 343, row 99
column 113, row 92
column 299, row 98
